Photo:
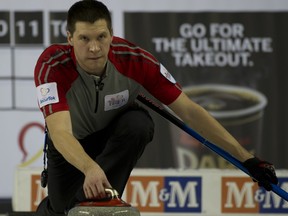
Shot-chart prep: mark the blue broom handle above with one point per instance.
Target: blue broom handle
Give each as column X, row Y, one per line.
column 170, row 117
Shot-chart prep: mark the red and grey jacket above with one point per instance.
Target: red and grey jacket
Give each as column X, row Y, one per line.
column 92, row 101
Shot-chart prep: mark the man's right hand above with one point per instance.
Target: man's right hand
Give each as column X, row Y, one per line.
column 95, row 182
column 60, row 129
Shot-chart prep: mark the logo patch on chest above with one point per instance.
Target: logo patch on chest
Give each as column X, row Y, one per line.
column 116, row 101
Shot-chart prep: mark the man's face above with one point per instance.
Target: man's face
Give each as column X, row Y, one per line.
column 91, row 42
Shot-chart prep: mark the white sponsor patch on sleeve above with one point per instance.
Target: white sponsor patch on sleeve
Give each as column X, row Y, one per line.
column 47, row 94
column 116, row 101
column 166, row 74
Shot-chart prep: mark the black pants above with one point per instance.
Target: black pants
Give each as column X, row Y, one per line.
column 116, row 149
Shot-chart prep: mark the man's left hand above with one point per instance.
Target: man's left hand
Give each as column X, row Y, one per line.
column 261, row 171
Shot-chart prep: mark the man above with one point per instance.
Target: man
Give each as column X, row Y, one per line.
column 96, row 130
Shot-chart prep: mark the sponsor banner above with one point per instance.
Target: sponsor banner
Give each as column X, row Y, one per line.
column 27, row 193
column 184, row 192
column 165, row 194
column 208, row 52
column 240, row 195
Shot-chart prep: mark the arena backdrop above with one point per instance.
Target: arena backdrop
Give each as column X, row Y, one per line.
column 229, row 58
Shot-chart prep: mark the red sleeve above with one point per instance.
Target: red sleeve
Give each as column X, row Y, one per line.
column 143, row 67
column 50, row 69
